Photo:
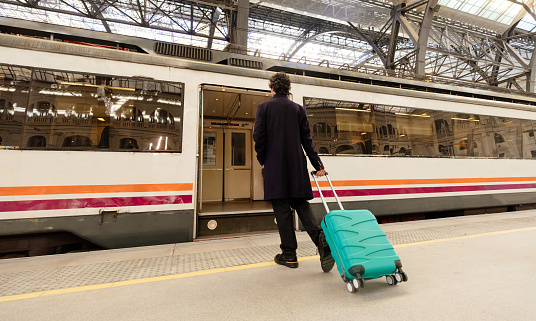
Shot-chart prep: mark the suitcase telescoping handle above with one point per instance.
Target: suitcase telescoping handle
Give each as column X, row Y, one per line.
column 313, row 173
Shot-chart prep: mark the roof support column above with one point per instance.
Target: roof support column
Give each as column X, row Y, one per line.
column 531, row 76
column 239, row 28
column 424, row 32
column 393, row 38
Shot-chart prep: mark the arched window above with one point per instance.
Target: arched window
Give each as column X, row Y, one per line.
column 129, row 113
column 128, row 143
column 402, row 151
column 0, row 140
column 323, row 150
column 161, row 116
column 390, row 129
column 360, row 148
column 344, row 149
column 79, row 110
column 322, row 129
column 442, row 126
column 386, row 148
column 499, row 138
column 463, row 144
column 77, row 141
column 383, row 131
column 6, row 107
column 43, row 109
column 37, row 141
column 443, row 150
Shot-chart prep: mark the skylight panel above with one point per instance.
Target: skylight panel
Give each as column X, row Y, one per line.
column 527, row 23
column 502, row 11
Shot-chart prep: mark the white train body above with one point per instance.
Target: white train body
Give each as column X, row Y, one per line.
column 130, row 198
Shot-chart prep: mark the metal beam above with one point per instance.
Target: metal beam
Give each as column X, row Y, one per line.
column 375, row 47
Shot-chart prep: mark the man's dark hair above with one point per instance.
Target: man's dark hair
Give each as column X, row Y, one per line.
column 280, row 83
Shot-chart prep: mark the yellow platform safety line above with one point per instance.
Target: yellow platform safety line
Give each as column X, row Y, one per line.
column 220, row 270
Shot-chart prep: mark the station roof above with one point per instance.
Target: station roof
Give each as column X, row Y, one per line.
column 315, row 30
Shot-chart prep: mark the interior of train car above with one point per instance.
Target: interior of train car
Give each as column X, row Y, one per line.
column 231, row 193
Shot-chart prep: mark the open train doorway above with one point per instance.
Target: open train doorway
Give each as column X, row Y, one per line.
column 231, row 192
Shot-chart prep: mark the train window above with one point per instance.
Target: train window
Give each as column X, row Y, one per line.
column 412, row 133
column 508, row 137
column 14, row 90
column 362, row 128
column 86, row 111
column 528, row 139
column 340, row 127
column 238, row 149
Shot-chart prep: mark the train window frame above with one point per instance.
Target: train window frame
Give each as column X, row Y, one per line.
column 171, row 99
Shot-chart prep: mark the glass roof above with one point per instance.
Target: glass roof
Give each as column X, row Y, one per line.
column 501, row 11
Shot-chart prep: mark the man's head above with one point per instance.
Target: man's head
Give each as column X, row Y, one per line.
column 280, row 83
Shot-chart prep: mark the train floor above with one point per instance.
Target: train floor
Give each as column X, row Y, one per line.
column 480, row 267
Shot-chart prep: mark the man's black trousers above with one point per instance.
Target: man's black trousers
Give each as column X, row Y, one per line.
column 285, row 223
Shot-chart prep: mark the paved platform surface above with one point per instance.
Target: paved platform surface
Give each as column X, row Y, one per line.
column 465, row 268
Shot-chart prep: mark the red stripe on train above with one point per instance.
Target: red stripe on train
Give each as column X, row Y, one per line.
column 61, row 204
column 421, row 190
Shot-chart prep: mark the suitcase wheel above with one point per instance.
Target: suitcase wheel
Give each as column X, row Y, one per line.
column 350, row 286
column 391, row 280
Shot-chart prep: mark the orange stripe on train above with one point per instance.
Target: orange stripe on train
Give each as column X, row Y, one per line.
column 83, row 189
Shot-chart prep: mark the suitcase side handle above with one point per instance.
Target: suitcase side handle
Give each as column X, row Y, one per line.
column 313, row 173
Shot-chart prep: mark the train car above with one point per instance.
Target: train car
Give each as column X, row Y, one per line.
column 111, row 148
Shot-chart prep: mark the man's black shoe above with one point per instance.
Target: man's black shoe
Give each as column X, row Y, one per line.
column 326, row 259
column 281, row 259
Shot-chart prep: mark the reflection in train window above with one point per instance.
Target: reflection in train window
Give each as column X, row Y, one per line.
column 362, row 128
column 345, row 149
column 161, row 116
column 129, row 113
column 37, row 141
column 77, row 141
column 322, row 129
column 90, row 111
column 323, row 150
column 43, row 109
column 128, row 143
column 14, row 92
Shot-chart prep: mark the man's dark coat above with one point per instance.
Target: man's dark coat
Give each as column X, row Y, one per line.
column 281, row 129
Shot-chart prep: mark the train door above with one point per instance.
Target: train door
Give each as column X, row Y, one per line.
column 230, row 193
column 227, row 161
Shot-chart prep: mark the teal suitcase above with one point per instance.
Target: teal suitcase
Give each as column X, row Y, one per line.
column 359, row 246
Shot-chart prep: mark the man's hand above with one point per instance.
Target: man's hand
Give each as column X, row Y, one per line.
column 321, row 172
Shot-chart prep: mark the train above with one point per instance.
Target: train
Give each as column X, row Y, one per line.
column 104, row 148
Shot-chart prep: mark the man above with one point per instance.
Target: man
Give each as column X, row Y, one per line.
column 281, row 130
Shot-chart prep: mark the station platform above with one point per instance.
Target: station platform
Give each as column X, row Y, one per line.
column 480, row 267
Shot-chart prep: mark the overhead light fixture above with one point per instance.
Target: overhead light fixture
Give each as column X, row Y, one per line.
column 456, row 118
column 78, row 84
column 91, row 85
column 120, row 88
column 414, row 115
column 349, row 109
